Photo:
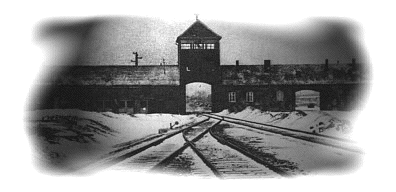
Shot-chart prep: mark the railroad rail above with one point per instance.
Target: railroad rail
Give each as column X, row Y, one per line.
column 223, row 158
column 130, row 149
column 336, row 142
column 189, row 143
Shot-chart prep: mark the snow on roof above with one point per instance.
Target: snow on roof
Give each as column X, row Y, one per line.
column 118, row 75
column 292, row 74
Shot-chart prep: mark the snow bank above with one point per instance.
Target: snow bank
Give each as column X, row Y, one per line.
column 71, row 138
column 331, row 123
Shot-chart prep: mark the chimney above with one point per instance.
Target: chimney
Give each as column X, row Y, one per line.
column 236, row 68
column 267, row 65
column 326, row 65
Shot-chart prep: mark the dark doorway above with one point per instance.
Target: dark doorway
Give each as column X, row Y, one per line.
column 307, row 100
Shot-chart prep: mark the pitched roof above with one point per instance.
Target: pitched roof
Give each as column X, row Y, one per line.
column 293, row 74
column 198, row 30
column 117, row 75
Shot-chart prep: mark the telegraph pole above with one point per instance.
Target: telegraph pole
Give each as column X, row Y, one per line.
column 163, row 64
column 136, row 61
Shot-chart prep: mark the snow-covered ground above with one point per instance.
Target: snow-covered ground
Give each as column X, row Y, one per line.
column 295, row 156
column 69, row 139
column 331, row 123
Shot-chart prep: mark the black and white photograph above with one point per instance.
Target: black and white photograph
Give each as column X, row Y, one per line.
column 200, row 95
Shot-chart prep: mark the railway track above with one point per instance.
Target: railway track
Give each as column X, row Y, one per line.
column 219, row 146
column 335, row 142
column 197, row 150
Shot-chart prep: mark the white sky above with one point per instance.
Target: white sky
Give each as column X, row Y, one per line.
column 191, row 88
column 113, row 39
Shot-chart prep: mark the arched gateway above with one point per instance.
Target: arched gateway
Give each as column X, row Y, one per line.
column 307, row 100
column 198, row 98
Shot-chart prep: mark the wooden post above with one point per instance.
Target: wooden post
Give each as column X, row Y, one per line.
column 136, row 61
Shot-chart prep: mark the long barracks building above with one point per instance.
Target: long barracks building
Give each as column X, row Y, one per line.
column 155, row 89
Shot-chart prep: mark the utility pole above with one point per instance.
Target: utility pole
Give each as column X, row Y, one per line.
column 163, row 64
column 136, row 61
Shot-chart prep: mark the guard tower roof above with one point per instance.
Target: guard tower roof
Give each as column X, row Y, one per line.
column 198, row 30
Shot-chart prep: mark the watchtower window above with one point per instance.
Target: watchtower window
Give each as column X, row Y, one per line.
column 210, row 46
column 232, row 97
column 185, row 46
column 199, row 46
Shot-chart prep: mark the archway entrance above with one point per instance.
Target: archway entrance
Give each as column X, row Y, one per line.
column 307, row 100
column 198, row 97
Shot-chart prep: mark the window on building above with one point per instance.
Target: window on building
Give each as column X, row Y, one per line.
column 185, row 46
column 198, row 46
column 249, row 96
column 232, row 97
column 279, row 95
column 210, row 46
